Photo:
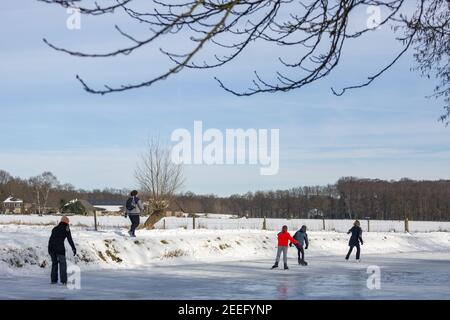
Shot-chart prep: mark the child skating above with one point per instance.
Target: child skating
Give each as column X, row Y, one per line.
column 283, row 240
column 355, row 239
column 302, row 237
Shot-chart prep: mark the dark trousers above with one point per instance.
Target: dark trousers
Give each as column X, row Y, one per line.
column 134, row 222
column 58, row 260
column 358, row 251
column 301, row 252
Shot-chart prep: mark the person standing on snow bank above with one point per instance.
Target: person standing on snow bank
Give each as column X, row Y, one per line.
column 283, row 240
column 355, row 239
column 302, row 237
column 57, row 250
column 133, row 209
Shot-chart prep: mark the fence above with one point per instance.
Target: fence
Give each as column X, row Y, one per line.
column 294, row 224
column 228, row 223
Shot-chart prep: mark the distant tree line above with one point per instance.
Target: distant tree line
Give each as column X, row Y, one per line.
column 47, row 194
column 348, row 198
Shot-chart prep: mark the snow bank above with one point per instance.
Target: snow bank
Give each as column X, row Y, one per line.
column 25, row 247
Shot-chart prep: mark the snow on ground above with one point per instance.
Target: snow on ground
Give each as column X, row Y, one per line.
column 25, row 246
column 109, row 208
column 225, row 222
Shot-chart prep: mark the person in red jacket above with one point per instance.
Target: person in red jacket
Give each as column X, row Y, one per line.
column 283, row 241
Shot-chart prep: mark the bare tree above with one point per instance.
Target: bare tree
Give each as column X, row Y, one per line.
column 159, row 178
column 42, row 185
column 5, row 177
column 432, row 49
column 316, row 29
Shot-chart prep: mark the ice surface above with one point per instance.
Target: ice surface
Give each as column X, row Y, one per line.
column 403, row 276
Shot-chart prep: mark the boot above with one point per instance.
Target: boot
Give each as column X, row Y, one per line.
column 275, row 265
column 285, row 266
column 304, row 263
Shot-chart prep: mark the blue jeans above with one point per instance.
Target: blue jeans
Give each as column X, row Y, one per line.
column 134, row 222
column 358, row 251
column 58, row 260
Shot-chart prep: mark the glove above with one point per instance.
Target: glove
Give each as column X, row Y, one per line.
column 362, row 243
column 125, row 215
column 290, row 244
column 74, row 252
column 306, row 247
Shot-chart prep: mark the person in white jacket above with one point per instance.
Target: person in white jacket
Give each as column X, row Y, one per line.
column 133, row 209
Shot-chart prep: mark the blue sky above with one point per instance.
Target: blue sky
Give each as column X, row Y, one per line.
column 388, row 130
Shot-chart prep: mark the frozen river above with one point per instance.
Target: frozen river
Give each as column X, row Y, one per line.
column 403, row 276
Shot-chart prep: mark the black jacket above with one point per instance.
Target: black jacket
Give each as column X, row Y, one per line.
column 356, row 236
column 56, row 242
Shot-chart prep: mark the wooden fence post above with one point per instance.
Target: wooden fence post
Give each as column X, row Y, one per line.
column 323, row 224
column 368, row 225
column 406, row 225
column 264, row 224
column 193, row 222
column 164, row 224
column 95, row 220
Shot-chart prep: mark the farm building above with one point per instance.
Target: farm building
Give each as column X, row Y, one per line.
column 78, row 206
column 13, row 205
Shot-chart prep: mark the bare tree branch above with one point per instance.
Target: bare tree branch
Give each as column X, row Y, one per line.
column 317, row 29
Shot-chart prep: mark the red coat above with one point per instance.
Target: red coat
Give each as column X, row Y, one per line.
column 283, row 239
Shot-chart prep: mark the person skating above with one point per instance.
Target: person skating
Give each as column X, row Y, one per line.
column 57, row 250
column 283, row 240
column 133, row 209
column 302, row 237
column 355, row 240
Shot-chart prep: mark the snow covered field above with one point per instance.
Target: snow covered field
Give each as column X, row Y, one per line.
column 224, row 222
column 222, row 264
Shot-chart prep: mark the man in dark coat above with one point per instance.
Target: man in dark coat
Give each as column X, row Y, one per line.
column 57, row 250
column 302, row 237
column 355, row 239
column 133, row 208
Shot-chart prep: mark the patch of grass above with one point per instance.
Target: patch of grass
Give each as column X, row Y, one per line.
column 113, row 256
column 100, row 254
column 173, row 254
column 224, row 246
column 15, row 262
column 82, row 256
column 238, row 242
column 218, row 238
column 164, row 241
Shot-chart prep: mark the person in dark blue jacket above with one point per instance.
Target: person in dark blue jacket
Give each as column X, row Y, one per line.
column 355, row 240
column 57, row 250
column 302, row 237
